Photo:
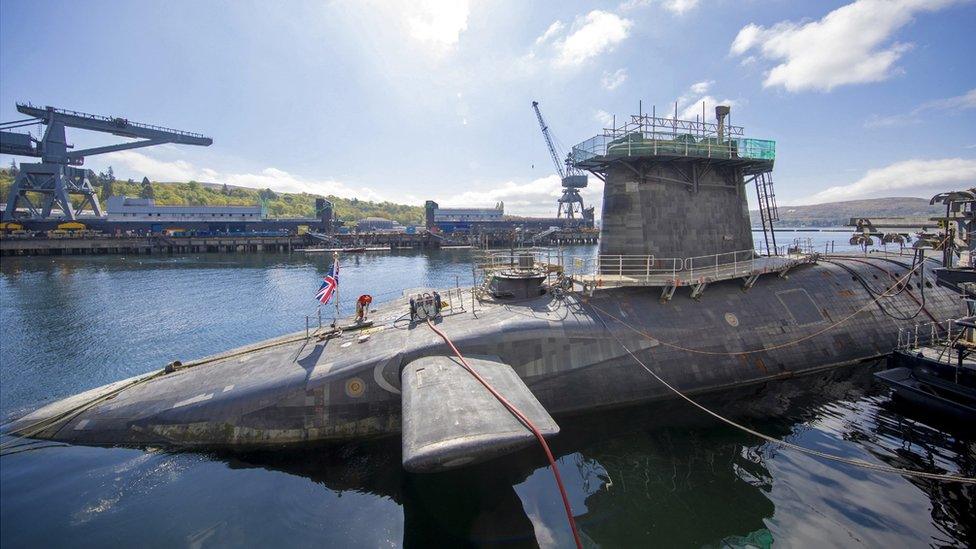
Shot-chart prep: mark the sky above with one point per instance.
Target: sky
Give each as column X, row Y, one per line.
column 427, row 99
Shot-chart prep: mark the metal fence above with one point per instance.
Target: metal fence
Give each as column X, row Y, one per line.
column 652, row 270
column 927, row 333
column 664, row 144
column 521, row 258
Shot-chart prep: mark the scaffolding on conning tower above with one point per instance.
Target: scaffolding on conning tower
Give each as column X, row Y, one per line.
column 649, row 135
column 675, row 208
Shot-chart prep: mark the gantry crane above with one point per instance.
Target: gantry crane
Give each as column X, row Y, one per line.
column 55, row 178
column 573, row 179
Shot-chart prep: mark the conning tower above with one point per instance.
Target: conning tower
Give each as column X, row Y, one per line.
column 676, row 188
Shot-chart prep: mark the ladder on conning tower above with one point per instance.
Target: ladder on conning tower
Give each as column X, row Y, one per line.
column 768, row 213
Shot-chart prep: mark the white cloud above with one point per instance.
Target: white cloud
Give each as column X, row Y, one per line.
column 591, row 35
column 701, row 87
column 141, row 165
column 677, row 7
column 603, row 117
column 850, row 45
column 690, row 102
column 919, row 177
column 613, row 80
column 694, row 108
column 534, row 198
column 438, row 23
column 960, row 103
column 680, row 6
column 159, row 170
column 553, row 30
column 689, row 105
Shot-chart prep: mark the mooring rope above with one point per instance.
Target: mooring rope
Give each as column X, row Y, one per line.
column 789, row 445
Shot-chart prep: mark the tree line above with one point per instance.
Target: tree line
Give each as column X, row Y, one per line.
column 277, row 204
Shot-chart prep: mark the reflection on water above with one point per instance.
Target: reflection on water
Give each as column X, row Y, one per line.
column 662, row 474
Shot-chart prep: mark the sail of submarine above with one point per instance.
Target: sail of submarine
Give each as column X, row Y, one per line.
column 677, row 281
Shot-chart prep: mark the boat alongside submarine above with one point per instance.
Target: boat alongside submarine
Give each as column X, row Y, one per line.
column 676, row 281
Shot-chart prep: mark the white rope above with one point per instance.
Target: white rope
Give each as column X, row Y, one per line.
column 783, row 443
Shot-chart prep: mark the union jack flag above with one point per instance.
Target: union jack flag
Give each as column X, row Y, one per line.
column 329, row 284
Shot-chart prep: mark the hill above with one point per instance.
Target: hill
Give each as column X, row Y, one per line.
column 838, row 214
column 210, row 194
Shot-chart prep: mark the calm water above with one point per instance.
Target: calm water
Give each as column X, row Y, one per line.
column 659, row 475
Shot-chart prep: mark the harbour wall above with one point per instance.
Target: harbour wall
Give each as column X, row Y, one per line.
column 162, row 244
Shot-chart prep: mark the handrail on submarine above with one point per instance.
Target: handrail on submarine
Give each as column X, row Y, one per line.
column 650, row 270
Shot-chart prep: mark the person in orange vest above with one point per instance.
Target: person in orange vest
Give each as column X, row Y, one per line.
column 362, row 307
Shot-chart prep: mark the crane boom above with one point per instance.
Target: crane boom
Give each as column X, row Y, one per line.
column 545, row 133
column 56, row 178
column 572, row 178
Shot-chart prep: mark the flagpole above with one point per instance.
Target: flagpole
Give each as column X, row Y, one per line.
column 335, row 267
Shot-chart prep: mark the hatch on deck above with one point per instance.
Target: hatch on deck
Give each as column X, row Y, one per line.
column 450, row 419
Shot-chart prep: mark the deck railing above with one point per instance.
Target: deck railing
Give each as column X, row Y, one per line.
column 927, row 333
column 664, row 144
column 649, row 270
column 521, row 258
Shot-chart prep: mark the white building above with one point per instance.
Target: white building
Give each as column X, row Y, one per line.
column 123, row 208
column 468, row 214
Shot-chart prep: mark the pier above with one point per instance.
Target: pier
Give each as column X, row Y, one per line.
column 99, row 244
column 156, row 244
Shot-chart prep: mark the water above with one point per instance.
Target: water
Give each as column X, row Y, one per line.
column 661, row 475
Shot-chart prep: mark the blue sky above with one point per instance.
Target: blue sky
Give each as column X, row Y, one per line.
column 412, row 100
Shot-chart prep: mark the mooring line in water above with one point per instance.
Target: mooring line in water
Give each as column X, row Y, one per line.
column 525, row 421
column 764, row 349
column 789, row 445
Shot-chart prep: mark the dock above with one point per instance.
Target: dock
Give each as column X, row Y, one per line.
column 156, row 244
column 96, row 243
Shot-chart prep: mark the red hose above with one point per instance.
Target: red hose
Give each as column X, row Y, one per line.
column 527, row 422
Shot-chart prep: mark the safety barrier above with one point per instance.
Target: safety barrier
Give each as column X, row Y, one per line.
column 648, row 270
column 927, row 334
column 644, row 266
column 666, row 144
column 522, row 258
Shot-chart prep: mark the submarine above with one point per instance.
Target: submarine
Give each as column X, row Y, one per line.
column 677, row 290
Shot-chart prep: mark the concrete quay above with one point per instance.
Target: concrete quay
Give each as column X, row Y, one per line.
column 156, row 244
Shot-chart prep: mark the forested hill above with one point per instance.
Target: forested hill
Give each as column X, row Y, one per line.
column 838, row 214
column 831, row 214
column 209, row 194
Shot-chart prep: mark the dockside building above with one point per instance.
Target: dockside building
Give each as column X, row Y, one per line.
column 123, row 208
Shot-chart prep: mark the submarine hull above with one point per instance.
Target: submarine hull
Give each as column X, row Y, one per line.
column 568, row 352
